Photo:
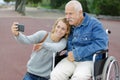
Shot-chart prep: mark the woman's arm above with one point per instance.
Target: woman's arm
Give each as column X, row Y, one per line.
column 32, row 39
column 56, row 46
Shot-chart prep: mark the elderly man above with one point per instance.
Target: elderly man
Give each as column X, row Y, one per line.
column 87, row 36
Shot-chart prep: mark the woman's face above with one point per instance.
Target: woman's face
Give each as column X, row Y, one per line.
column 60, row 29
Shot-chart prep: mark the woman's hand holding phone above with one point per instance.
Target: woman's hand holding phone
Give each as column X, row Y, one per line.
column 16, row 27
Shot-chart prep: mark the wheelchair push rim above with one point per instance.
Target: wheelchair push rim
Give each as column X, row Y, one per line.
column 111, row 69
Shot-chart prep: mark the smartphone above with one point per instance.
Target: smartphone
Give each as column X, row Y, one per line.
column 21, row 27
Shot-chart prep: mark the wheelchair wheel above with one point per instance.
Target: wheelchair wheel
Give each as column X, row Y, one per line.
column 111, row 69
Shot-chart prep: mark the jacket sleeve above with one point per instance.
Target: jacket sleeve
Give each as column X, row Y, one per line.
column 56, row 46
column 31, row 39
column 99, row 42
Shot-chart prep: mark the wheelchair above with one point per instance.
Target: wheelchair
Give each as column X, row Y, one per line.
column 105, row 69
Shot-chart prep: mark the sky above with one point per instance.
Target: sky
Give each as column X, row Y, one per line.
column 2, row 2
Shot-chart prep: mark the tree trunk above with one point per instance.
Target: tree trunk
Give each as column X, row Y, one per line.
column 20, row 6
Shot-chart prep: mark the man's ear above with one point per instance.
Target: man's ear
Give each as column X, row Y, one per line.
column 80, row 12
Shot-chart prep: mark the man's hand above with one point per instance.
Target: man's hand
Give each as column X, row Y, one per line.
column 70, row 56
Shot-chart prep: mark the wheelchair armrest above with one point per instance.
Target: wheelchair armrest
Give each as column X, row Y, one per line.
column 101, row 52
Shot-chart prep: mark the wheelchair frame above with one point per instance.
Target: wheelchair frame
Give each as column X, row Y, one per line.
column 108, row 62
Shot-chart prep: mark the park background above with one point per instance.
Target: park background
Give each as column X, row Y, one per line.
column 41, row 16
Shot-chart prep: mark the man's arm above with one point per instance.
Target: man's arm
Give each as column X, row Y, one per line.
column 99, row 42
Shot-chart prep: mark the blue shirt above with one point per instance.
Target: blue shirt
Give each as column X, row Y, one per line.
column 87, row 38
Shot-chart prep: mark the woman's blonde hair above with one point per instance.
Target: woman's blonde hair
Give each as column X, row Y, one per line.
column 64, row 20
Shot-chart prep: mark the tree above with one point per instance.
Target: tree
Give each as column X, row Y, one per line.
column 106, row 7
column 20, row 6
column 110, row 7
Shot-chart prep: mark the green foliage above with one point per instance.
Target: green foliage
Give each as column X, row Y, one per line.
column 61, row 4
column 7, row 1
column 106, row 7
column 33, row 1
column 62, row 7
column 57, row 3
column 84, row 5
column 45, row 3
column 31, row 4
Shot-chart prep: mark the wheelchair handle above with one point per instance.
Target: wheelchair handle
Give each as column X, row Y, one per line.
column 108, row 31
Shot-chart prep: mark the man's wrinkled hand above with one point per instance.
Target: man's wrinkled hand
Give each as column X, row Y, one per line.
column 70, row 56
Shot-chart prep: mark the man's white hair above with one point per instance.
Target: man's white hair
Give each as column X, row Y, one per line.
column 76, row 4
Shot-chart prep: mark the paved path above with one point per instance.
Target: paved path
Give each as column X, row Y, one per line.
column 14, row 56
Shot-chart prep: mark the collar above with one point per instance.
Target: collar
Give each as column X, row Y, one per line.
column 85, row 20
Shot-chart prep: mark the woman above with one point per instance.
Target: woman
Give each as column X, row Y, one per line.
column 40, row 63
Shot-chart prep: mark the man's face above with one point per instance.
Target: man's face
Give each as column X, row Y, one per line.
column 72, row 15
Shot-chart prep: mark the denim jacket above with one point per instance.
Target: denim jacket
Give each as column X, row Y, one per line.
column 87, row 38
